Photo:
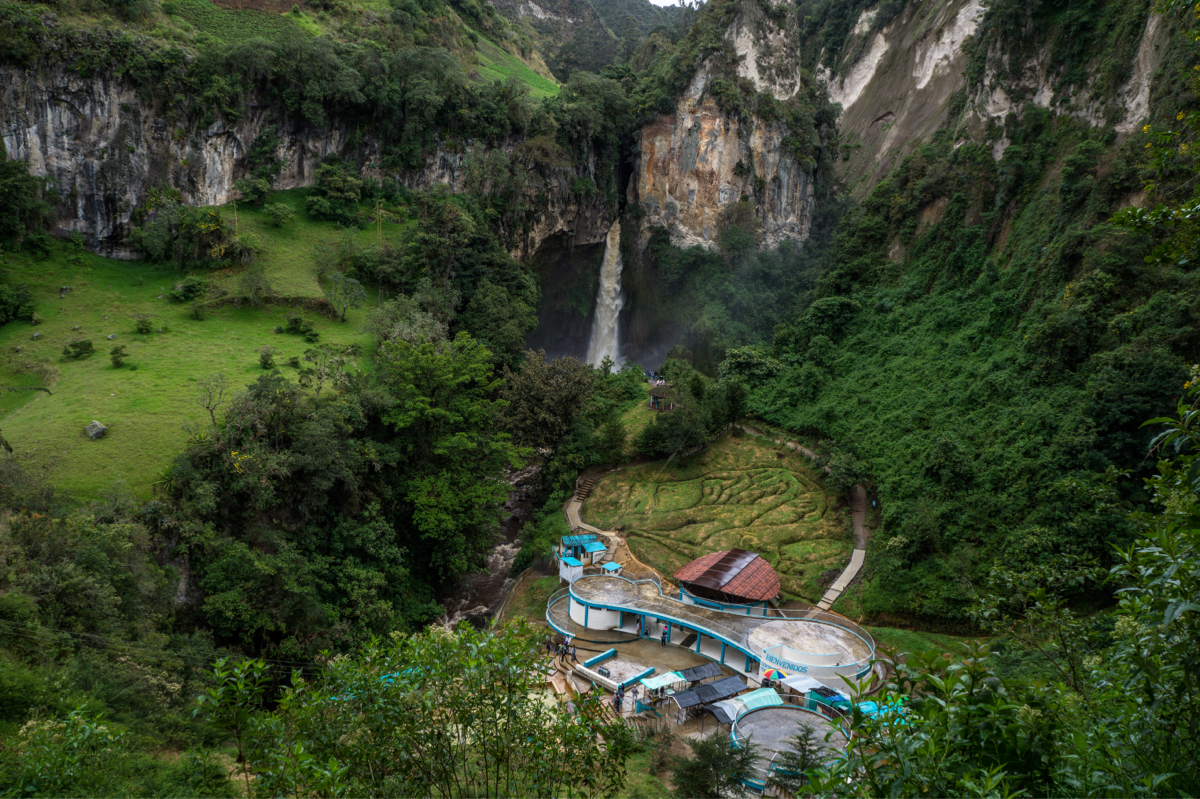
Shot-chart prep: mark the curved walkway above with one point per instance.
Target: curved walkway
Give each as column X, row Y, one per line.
column 858, row 514
column 834, row 643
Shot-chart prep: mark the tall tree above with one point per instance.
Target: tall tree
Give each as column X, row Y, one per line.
column 445, row 416
column 545, row 398
column 437, row 714
column 718, row 767
column 344, row 293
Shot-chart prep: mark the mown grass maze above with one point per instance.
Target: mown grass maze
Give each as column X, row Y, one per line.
column 741, row 492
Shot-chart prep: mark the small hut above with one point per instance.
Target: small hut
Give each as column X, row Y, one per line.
column 575, row 545
column 663, row 398
column 569, row 569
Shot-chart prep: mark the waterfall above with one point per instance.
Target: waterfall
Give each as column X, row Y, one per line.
column 605, row 332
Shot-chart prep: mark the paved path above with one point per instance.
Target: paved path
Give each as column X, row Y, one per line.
column 858, row 514
column 573, row 508
column 753, row 633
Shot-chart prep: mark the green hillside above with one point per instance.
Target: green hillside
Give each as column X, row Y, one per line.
column 331, row 456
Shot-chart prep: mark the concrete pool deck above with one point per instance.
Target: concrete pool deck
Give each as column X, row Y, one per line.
column 600, row 602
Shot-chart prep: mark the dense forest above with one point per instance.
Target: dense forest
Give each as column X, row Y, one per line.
column 979, row 337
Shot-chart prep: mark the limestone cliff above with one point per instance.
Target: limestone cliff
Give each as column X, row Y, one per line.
column 694, row 163
column 103, row 149
column 899, row 81
column 896, row 88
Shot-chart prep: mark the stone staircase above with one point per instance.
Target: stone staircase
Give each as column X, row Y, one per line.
column 584, row 487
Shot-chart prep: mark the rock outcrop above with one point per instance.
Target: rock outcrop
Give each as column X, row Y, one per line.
column 104, row 150
column 896, row 87
column 898, row 83
column 695, row 163
column 1034, row 80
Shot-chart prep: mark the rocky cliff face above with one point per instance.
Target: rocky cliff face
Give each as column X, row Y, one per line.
column 898, row 83
column 104, row 150
column 693, row 164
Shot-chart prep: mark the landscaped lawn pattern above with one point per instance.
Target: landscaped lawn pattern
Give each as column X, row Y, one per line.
column 741, row 492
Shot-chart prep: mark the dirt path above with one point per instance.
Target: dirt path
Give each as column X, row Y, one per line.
column 858, row 515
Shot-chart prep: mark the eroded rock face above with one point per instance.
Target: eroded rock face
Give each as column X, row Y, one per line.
column 693, row 164
column 897, row 85
column 104, row 150
column 1035, row 80
column 898, row 82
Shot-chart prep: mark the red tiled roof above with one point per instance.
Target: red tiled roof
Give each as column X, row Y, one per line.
column 735, row 572
column 698, row 567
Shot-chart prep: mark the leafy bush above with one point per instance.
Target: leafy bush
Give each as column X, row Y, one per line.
column 23, row 212
column 253, row 190
column 336, row 193
column 191, row 288
column 255, row 286
column 266, row 357
column 118, row 355
column 78, row 350
column 280, row 214
column 298, row 326
column 15, row 303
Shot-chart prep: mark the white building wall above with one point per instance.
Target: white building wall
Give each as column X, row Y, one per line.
column 599, row 619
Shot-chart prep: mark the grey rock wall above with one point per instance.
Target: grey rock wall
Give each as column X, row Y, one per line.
column 104, row 151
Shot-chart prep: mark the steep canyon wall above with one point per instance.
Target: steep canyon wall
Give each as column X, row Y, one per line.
column 694, row 163
column 900, row 82
column 104, row 150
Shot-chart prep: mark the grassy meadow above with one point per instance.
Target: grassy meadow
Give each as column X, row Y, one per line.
column 146, row 403
column 741, row 492
column 498, row 65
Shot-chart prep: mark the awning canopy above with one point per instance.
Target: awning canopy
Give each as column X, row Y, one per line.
column 611, row 566
column 763, row 697
column 725, row 711
column 686, row 699
column 701, row 672
column 713, row 691
column 594, row 546
column 830, row 693
column 802, row 683
column 657, row 681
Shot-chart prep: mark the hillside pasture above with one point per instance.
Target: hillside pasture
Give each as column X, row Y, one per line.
column 741, row 492
column 147, row 403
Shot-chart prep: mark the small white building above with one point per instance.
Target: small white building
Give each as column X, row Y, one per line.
column 569, row 569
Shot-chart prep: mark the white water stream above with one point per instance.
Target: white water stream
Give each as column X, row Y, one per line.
column 606, row 335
